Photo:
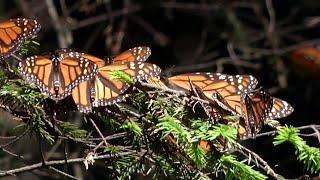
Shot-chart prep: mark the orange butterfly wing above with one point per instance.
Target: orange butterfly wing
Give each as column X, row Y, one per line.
column 255, row 109
column 224, row 89
column 82, row 96
column 155, row 81
column 109, row 90
column 280, row 109
column 38, row 70
column 57, row 76
column 307, row 59
column 104, row 89
column 72, row 71
column 215, row 83
column 70, row 52
column 13, row 32
column 140, row 54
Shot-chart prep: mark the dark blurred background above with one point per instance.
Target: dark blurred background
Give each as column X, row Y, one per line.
column 266, row 38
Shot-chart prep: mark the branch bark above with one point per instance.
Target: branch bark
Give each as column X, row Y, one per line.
column 56, row 162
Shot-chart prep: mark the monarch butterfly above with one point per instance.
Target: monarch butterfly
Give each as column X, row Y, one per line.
column 255, row 108
column 221, row 89
column 56, row 75
column 307, row 59
column 13, row 32
column 104, row 89
column 264, row 107
column 236, row 95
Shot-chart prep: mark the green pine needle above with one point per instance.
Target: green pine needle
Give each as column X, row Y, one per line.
column 72, row 130
column 234, row 169
column 122, row 76
column 289, row 134
column 309, row 156
column 171, row 125
column 221, row 130
column 134, row 127
column 197, row 154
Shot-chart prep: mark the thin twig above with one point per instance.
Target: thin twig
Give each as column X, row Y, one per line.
column 8, row 137
column 16, row 57
column 62, row 173
column 56, row 24
column 217, row 62
column 264, row 165
column 100, row 134
column 234, row 57
column 106, row 16
column 56, row 162
column 158, row 36
column 11, row 153
column 272, row 133
column 272, row 19
column 14, row 140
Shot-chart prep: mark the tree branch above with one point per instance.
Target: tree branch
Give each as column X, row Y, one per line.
column 56, row 162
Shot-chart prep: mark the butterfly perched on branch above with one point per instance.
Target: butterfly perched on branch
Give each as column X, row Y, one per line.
column 13, row 32
column 107, row 87
column 235, row 95
column 56, row 75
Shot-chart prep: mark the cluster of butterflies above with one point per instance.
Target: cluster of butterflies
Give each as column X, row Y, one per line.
column 92, row 83
column 235, row 95
column 89, row 80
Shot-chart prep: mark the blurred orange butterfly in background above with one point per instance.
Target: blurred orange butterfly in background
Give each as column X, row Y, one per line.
column 13, row 32
column 308, row 60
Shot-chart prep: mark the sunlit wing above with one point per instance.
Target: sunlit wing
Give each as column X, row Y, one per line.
column 13, row 32
column 72, row 71
column 279, row 109
column 155, row 81
column 140, row 54
column 82, row 96
column 109, row 90
column 215, row 83
column 70, row 52
column 223, row 89
column 39, row 71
